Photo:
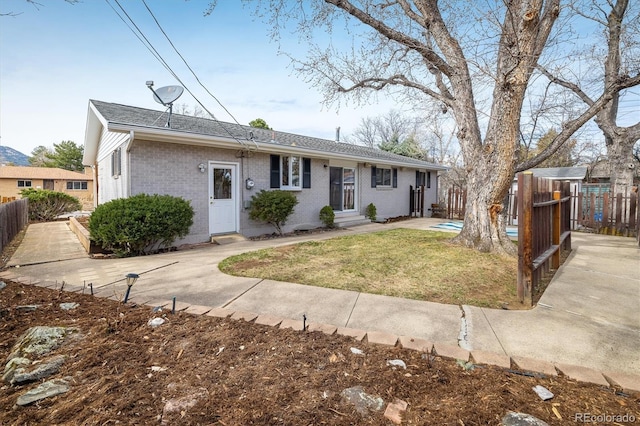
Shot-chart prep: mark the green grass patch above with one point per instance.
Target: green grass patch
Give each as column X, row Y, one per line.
column 407, row 263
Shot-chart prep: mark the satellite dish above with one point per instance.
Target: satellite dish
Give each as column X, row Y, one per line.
column 167, row 95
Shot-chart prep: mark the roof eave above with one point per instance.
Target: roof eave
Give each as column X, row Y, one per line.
column 186, row 138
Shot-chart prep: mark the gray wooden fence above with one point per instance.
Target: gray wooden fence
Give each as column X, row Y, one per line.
column 13, row 217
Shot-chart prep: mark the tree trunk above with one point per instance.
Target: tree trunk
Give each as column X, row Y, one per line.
column 621, row 165
column 484, row 222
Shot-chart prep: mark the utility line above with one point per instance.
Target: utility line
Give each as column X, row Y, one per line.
column 140, row 35
column 191, row 69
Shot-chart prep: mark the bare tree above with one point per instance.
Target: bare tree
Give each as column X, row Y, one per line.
column 428, row 49
column 615, row 63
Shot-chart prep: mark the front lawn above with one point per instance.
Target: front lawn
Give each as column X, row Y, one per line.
column 407, row 263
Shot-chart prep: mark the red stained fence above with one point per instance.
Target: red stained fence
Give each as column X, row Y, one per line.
column 456, row 202
column 13, row 217
column 544, row 231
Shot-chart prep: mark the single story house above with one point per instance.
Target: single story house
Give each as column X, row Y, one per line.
column 14, row 179
column 218, row 166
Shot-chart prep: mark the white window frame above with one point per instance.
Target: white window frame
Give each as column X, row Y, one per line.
column 79, row 185
column 287, row 172
column 382, row 170
column 116, row 163
column 25, row 183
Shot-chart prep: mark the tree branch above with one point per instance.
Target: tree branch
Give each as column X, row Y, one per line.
column 394, row 35
column 572, row 126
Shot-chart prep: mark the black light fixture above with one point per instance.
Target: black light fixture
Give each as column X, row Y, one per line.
column 131, row 280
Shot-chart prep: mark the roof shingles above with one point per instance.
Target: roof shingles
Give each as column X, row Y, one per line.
column 146, row 118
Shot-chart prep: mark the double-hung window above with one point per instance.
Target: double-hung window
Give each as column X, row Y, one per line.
column 24, row 184
column 384, row 177
column 290, row 172
column 423, row 178
column 77, row 185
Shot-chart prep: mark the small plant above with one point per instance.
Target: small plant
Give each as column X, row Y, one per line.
column 46, row 205
column 140, row 224
column 273, row 207
column 327, row 216
column 371, row 212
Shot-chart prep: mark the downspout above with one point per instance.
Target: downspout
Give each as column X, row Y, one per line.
column 132, row 137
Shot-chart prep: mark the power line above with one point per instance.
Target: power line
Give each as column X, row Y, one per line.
column 186, row 63
column 140, row 35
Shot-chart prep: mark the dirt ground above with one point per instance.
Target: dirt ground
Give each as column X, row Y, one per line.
column 200, row 370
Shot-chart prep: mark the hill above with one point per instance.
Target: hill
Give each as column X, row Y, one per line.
column 10, row 156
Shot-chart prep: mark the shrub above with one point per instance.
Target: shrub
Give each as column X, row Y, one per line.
column 371, row 212
column 46, row 205
column 327, row 216
column 140, row 224
column 272, row 207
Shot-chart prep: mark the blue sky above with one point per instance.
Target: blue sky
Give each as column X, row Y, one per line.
column 56, row 57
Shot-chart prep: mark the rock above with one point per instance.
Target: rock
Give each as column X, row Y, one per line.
column 43, row 370
column 13, row 365
column 182, row 403
column 363, row 402
column 69, row 306
column 27, row 308
column 542, row 392
column 39, row 340
column 397, row 363
column 45, row 390
column 2, row 285
column 155, row 322
column 521, row 419
column 395, row 410
column 357, row 351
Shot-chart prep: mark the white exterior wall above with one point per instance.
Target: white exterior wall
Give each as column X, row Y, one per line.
column 110, row 187
column 394, row 202
column 310, row 200
column 172, row 169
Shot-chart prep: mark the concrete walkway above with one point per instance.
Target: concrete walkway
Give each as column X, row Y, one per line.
column 586, row 324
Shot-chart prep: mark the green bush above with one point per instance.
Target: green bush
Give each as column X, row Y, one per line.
column 272, row 207
column 327, row 216
column 45, row 205
column 371, row 212
column 140, row 224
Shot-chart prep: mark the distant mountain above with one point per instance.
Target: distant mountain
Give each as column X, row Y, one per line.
column 9, row 156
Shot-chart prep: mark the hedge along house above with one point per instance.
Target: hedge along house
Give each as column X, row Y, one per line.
column 219, row 166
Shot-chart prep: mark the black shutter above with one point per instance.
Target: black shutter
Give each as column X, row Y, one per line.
column 275, row 171
column 306, row 172
column 395, row 178
column 428, row 179
column 417, row 178
column 373, row 176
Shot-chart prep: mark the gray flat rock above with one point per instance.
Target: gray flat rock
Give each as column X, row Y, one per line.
column 45, row 390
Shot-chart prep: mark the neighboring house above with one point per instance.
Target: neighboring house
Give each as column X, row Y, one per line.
column 219, row 166
column 599, row 171
column 574, row 175
column 14, row 179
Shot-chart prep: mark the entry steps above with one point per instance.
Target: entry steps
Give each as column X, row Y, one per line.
column 351, row 220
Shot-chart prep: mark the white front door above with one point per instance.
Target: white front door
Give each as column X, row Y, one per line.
column 223, row 198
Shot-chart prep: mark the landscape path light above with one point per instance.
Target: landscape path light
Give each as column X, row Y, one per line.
column 131, row 280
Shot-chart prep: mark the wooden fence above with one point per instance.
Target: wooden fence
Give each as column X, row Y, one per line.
column 13, row 217
column 609, row 214
column 544, row 231
column 456, row 202
column 593, row 208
